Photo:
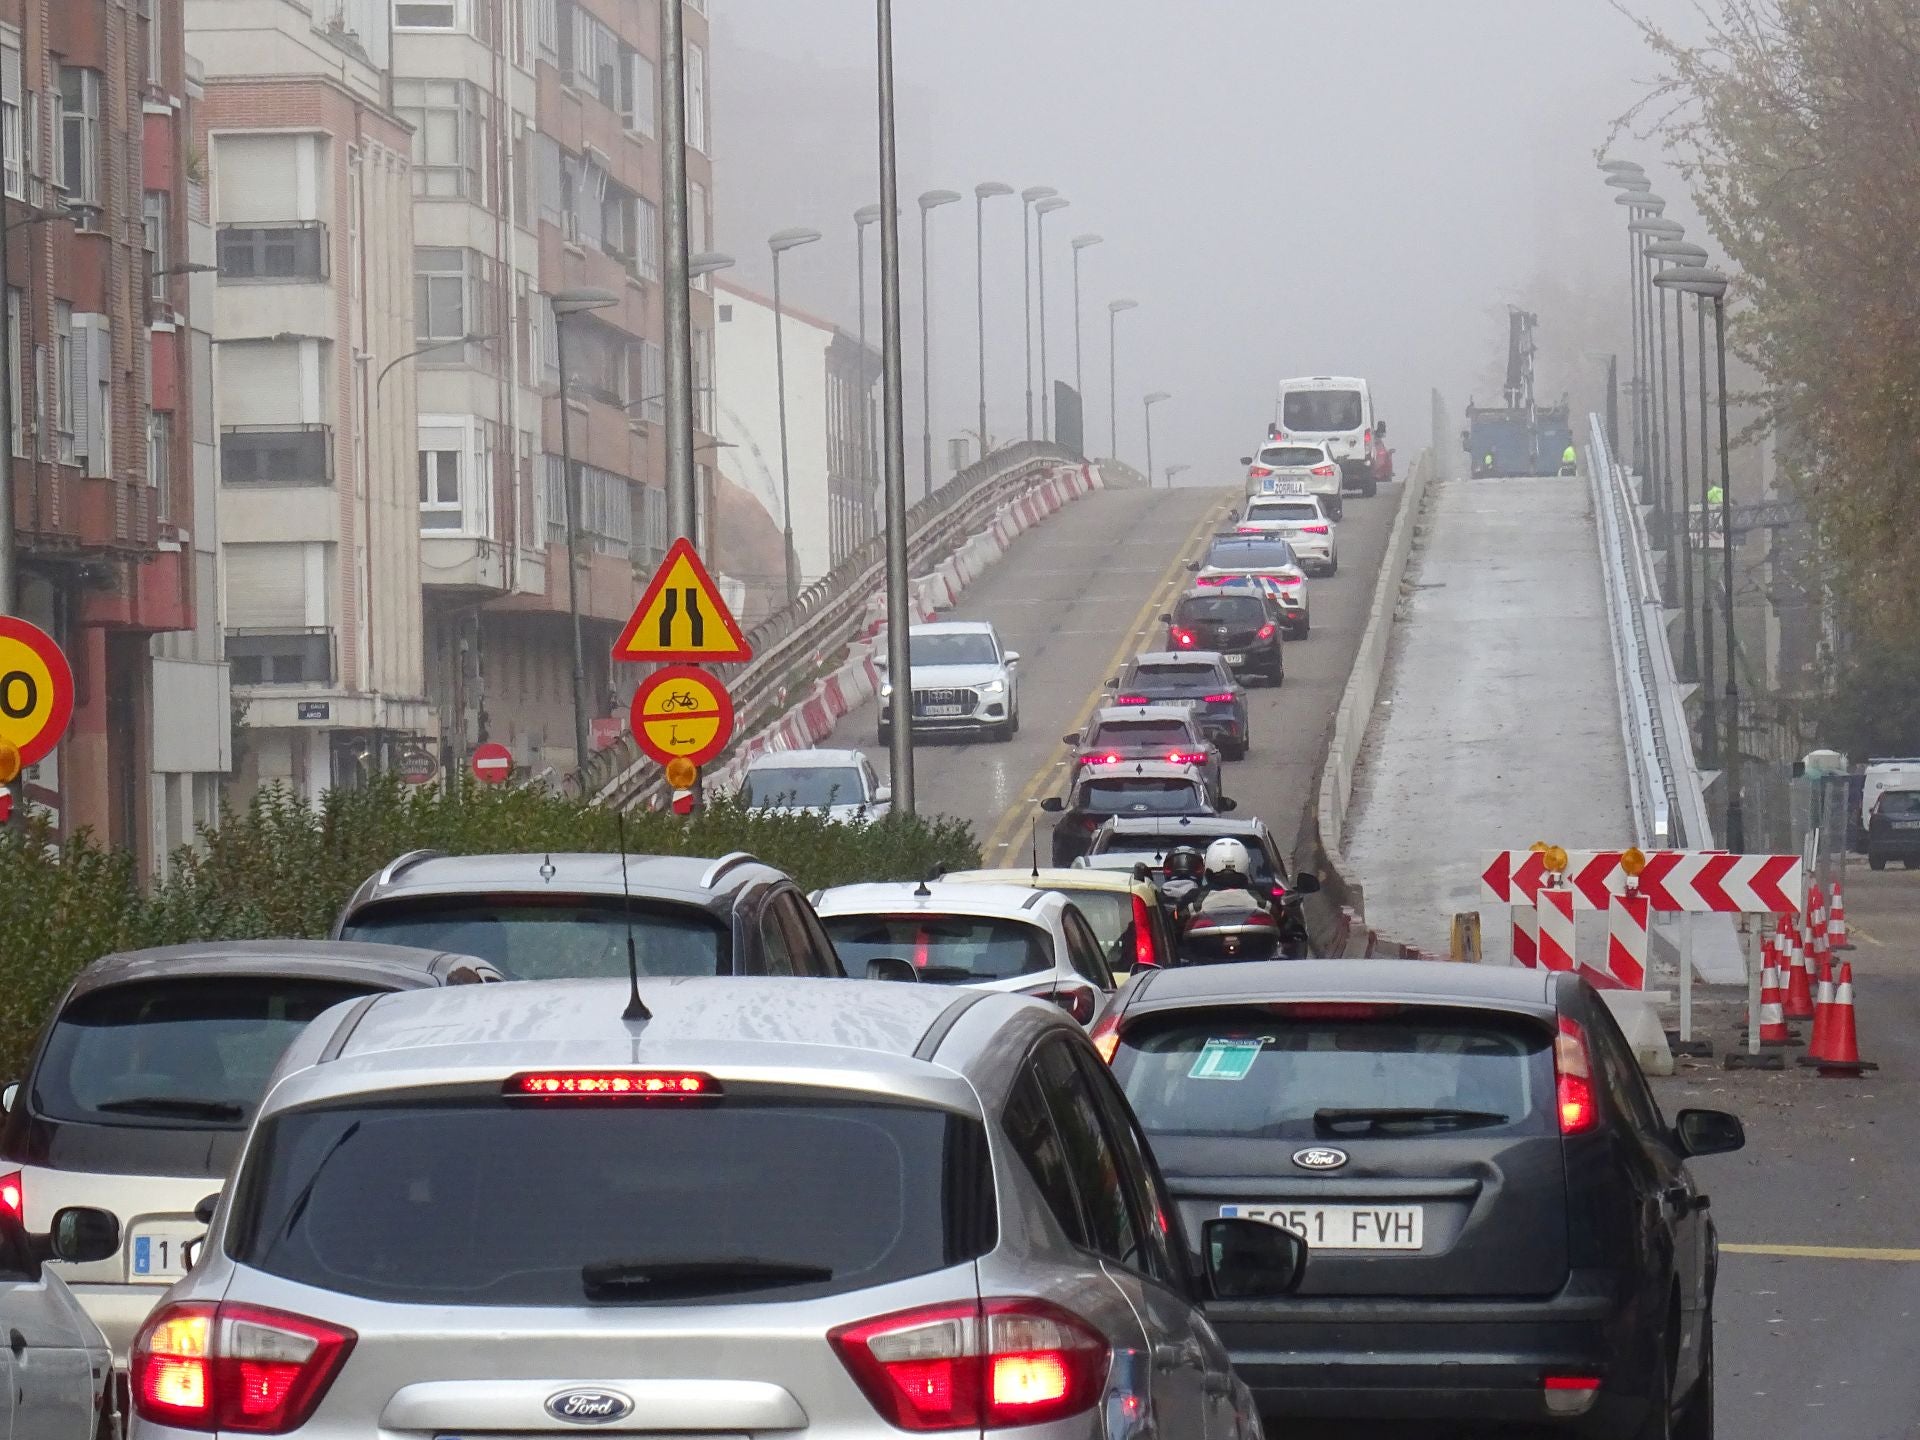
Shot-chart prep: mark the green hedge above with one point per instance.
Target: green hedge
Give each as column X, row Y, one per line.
column 283, row 867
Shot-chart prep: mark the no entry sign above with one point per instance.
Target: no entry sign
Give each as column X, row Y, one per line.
column 492, row 763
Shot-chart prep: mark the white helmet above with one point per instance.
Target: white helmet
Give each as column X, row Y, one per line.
column 1227, row 860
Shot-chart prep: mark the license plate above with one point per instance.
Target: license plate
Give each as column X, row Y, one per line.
column 1906, row 824
column 1287, row 487
column 1343, row 1227
column 940, row 712
column 155, row 1248
column 1236, row 659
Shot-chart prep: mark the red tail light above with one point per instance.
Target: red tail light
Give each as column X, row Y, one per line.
column 1287, row 579
column 1573, row 1071
column 1325, row 472
column 1183, row 757
column 13, row 1195
column 1183, row 637
column 1106, row 1037
column 231, row 1367
column 1266, row 632
column 1130, row 700
column 1315, row 529
column 1259, row 470
column 1366, row 438
column 993, row 1365
column 1219, row 699
column 608, row 1085
column 1142, row 935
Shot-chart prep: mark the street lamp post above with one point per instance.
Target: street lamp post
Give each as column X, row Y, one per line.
column 1653, row 232
column 1712, row 285
column 1633, row 188
column 1680, row 252
column 931, row 200
column 1029, row 197
column 1114, row 309
column 1642, row 207
column 983, row 192
column 779, row 243
column 1152, row 400
column 568, row 303
column 1041, row 210
column 1173, row 470
column 1080, row 242
column 899, row 622
column 863, row 217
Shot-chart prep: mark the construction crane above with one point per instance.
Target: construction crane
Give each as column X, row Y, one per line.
column 1521, row 437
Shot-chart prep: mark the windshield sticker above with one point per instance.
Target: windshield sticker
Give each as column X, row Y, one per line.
column 1225, row 1060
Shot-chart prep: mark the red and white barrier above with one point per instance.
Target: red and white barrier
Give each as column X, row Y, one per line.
column 1627, row 921
column 1526, row 935
column 1556, row 929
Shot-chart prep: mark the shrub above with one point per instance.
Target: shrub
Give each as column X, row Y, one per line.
column 284, row 868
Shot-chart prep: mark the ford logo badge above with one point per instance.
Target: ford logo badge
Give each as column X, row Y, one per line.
column 589, row 1407
column 1320, row 1157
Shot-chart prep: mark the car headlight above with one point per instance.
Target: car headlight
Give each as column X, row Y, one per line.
column 994, row 687
column 886, row 689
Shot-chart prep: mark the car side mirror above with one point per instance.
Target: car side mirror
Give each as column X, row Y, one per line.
column 1227, row 805
column 892, row 967
column 1012, row 657
column 1193, row 565
column 203, row 1212
column 82, row 1234
column 882, row 794
column 1380, row 429
column 1113, row 682
column 1251, row 1260
column 1306, row 883
column 1166, row 617
column 1053, row 804
column 1072, row 737
column 1709, row 1132
column 8, row 1096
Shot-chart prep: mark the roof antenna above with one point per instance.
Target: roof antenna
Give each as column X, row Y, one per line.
column 636, row 1007
column 934, row 872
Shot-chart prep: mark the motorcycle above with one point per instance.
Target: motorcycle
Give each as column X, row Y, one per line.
column 1230, row 926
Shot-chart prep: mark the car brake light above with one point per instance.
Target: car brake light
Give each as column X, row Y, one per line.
column 1106, row 1037
column 1183, row 637
column 1266, row 632
column 1573, row 1072
column 608, row 1085
column 1129, row 699
column 1570, row 1394
column 1333, row 1010
column 1314, row 529
column 235, row 1368
column 1259, row 470
column 13, row 1195
column 992, row 1365
column 1288, row 579
column 1142, row 936
column 1220, row 699
column 1323, row 471
column 1366, row 438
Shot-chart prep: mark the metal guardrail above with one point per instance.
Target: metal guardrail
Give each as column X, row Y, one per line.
column 790, row 644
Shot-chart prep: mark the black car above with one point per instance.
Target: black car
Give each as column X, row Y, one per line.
column 1502, row 1223
column 1241, row 622
column 1200, row 679
column 567, row 916
column 1134, row 788
column 1893, row 832
column 1146, row 839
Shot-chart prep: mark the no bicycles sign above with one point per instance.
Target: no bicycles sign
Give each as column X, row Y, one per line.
column 682, row 713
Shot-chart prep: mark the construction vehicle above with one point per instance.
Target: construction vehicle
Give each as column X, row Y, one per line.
column 1521, row 437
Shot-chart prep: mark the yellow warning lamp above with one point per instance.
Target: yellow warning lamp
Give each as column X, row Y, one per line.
column 1633, row 860
column 682, row 772
column 1554, row 858
column 9, row 762
column 1536, row 847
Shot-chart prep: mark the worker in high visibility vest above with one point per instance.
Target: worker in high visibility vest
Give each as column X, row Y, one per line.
column 1568, row 460
column 1715, row 495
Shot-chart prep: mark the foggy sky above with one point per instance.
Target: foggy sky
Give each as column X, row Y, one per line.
column 1286, row 186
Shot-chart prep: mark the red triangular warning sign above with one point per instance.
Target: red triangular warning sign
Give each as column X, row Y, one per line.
column 681, row 616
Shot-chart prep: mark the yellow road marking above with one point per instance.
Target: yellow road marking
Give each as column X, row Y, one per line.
column 1009, row 823
column 1825, row 1252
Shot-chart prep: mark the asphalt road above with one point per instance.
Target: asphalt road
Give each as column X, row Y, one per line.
column 1080, row 594
column 1819, row 1298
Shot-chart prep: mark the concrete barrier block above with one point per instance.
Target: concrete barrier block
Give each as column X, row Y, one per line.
column 1638, row 1013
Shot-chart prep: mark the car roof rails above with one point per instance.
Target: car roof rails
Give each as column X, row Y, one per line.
column 732, row 860
column 398, row 866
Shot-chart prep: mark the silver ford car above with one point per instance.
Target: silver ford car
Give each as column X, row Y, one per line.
column 765, row 1206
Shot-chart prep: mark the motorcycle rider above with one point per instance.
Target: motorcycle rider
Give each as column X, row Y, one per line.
column 1186, row 872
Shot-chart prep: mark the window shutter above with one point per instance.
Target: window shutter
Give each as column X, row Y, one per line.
column 79, row 387
column 96, row 341
column 266, row 587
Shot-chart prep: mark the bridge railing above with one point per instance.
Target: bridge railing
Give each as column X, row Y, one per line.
column 792, row 645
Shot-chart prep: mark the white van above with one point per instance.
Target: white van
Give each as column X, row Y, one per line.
column 1336, row 409
column 1886, row 773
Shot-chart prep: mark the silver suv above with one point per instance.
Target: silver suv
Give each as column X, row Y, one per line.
column 761, row 1205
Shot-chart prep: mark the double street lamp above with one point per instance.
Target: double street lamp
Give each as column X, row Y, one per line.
column 1080, row 242
column 1030, row 197
column 863, row 217
column 986, row 190
column 779, row 243
column 1681, row 252
column 929, row 201
column 1152, row 400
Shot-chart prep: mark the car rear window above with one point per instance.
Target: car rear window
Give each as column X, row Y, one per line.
column 1293, row 456
column 1244, row 609
column 1288, row 511
column 945, row 949
column 191, row 1052
column 1288, row 1072
column 805, row 787
column 1900, row 802
column 1155, row 733
column 566, row 938
column 1251, row 554
column 484, row 1201
column 1138, row 795
column 1321, row 410
column 1174, row 671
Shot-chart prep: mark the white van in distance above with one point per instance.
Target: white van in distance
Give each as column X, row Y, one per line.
column 1338, row 410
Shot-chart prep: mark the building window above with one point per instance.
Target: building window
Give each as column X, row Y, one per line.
column 79, row 132
column 159, row 256
column 273, row 252
column 447, row 150
column 13, row 128
column 63, row 378
column 290, row 657
column 426, row 15
column 160, row 462
column 605, row 519
column 637, row 98
column 696, row 99
column 653, row 382
column 275, row 455
column 439, row 294
column 546, row 28
column 441, row 507
column 597, row 361
column 649, row 526
column 590, row 57
column 646, row 224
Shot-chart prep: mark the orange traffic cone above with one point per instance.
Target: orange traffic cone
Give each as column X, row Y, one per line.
column 1822, row 1016
column 1837, row 937
column 1799, row 997
column 1773, row 1020
column 1841, row 1059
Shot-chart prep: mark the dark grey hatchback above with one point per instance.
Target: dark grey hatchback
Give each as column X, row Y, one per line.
column 1502, row 1224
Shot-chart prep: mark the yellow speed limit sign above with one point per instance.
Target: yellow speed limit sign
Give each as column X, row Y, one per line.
column 682, row 713
column 36, row 689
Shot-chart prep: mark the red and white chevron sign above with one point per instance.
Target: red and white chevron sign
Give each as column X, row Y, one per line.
column 1694, row 881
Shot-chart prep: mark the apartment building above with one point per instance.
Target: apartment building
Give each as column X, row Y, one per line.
column 100, row 384
column 311, row 194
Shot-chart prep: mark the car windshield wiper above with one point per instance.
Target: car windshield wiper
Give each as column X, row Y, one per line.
column 183, row 1106
column 662, row 1279
column 1376, row 1122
